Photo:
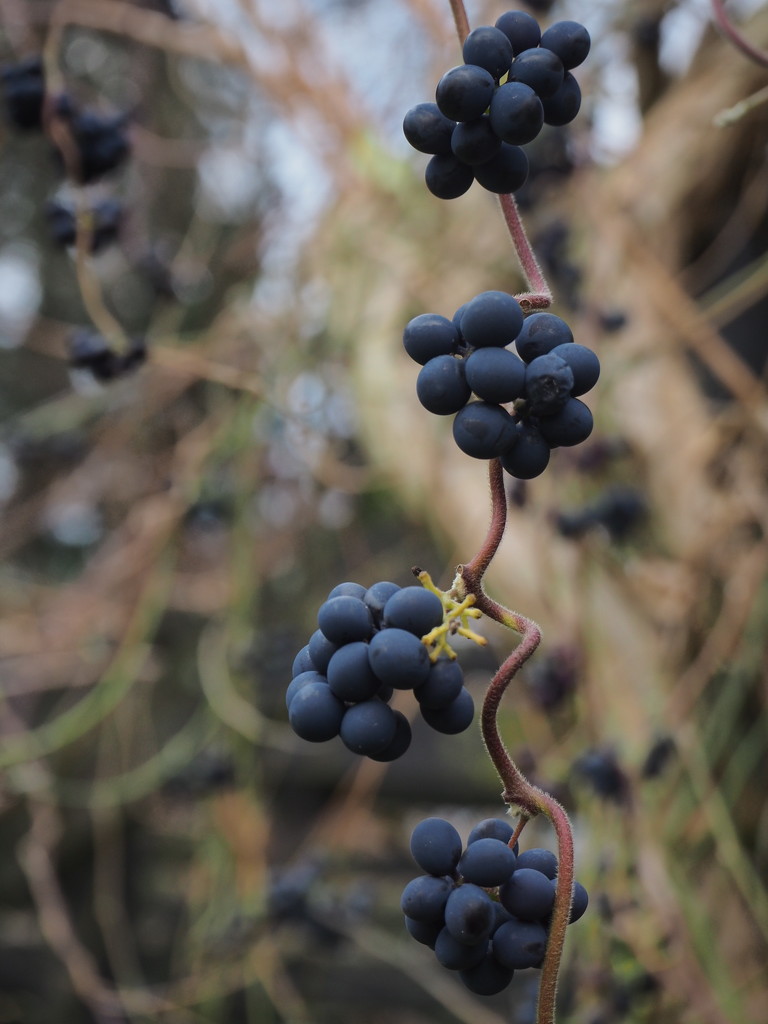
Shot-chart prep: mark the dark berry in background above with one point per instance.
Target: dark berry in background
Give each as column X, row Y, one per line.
column 100, row 142
column 106, row 220
column 23, row 92
column 601, row 771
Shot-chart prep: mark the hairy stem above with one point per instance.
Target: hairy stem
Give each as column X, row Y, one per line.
column 561, row 911
column 90, row 289
column 516, row 788
column 473, row 572
column 539, row 294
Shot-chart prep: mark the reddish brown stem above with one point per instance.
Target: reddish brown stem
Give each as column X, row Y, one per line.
column 561, row 911
column 521, row 823
column 539, row 294
column 516, row 787
column 461, row 19
column 729, row 30
column 475, row 570
column 524, row 798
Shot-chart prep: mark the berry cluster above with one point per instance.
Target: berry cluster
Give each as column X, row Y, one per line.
column 369, row 643
column 542, row 378
column 619, row 510
column 88, row 146
column 24, row 92
column 514, row 81
column 89, row 350
column 97, row 144
column 100, row 142
column 106, row 217
column 484, row 910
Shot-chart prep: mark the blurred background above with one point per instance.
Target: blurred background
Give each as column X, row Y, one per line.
column 170, row 524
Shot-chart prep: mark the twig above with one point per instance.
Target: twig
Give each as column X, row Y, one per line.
column 729, row 30
column 35, row 853
column 735, row 113
column 525, row 799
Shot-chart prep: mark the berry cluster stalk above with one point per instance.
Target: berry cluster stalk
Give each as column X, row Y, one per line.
column 539, row 295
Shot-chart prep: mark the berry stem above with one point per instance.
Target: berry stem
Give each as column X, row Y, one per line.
column 526, row 799
column 539, row 295
column 522, row 821
column 475, row 570
column 517, row 790
column 729, row 30
column 561, row 911
column 461, row 19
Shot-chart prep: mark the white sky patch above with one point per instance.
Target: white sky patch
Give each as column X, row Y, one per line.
column 307, row 189
column 229, row 183
column 335, row 510
column 75, row 524
column 617, row 123
column 20, row 294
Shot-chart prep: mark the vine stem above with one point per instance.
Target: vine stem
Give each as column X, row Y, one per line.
column 524, row 798
column 729, row 30
column 538, row 294
column 461, row 19
column 519, row 794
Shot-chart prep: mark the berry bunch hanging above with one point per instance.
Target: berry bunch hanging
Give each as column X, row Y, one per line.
column 485, row 910
column 513, row 81
column 369, row 643
column 542, row 379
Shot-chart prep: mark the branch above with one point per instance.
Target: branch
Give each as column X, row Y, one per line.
column 730, row 31
column 35, row 854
